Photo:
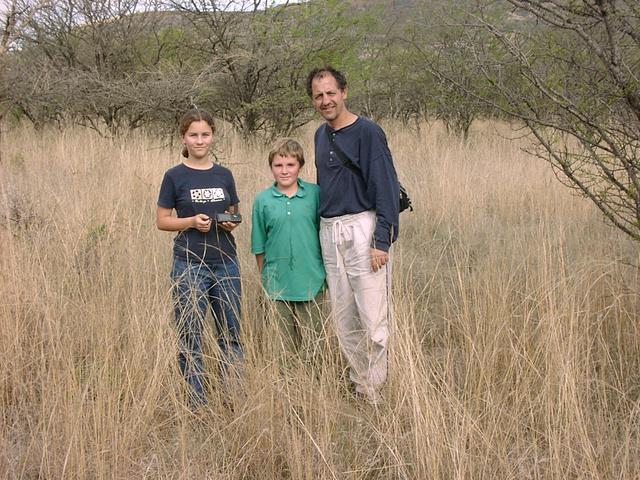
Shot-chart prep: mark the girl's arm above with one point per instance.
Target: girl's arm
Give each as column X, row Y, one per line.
column 167, row 222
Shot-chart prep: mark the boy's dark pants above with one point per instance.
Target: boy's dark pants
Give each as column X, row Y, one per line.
column 301, row 324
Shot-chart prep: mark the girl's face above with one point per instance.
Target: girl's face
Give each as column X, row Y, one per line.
column 198, row 138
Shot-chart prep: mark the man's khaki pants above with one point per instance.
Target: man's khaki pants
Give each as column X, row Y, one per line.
column 359, row 298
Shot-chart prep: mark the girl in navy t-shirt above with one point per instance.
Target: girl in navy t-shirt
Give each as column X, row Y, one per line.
column 205, row 270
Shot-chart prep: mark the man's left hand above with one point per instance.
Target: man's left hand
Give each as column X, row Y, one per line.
column 379, row 259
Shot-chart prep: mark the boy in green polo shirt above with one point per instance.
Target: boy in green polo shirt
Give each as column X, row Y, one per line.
column 284, row 239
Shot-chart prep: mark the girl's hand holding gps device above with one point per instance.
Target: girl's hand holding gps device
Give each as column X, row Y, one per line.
column 228, row 217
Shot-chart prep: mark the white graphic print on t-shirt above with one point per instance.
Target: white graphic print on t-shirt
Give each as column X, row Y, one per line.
column 207, row 195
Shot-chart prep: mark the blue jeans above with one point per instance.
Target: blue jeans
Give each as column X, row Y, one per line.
column 198, row 287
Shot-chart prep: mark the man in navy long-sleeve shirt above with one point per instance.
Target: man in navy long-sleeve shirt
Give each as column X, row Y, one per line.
column 359, row 210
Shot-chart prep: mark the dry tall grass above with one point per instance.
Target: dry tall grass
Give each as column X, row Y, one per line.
column 515, row 353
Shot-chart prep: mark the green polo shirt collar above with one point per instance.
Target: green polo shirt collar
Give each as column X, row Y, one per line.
column 277, row 193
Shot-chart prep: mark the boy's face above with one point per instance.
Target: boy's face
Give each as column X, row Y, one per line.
column 285, row 170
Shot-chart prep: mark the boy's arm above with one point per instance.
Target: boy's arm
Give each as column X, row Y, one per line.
column 260, row 261
column 258, row 234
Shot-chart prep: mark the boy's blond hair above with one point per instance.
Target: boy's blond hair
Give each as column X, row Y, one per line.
column 287, row 147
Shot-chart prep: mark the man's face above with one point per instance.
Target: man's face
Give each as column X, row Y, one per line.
column 327, row 98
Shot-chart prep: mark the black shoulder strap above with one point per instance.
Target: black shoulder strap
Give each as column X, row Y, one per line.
column 346, row 161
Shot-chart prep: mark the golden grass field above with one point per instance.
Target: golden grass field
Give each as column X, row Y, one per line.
column 515, row 355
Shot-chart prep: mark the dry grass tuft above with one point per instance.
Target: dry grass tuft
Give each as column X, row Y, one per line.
column 515, row 353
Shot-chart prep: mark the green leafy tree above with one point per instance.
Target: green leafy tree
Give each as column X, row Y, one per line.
column 385, row 83
column 255, row 57
column 97, row 63
column 394, row 87
column 441, row 48
column 14, row 15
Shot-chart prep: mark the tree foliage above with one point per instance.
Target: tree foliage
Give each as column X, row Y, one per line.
column 578, row 64
column 115, row 66
column 96, row 63
column 440, row 44
column 390, row 84
column 427, row 67
column 256, row 58
column 14, row 14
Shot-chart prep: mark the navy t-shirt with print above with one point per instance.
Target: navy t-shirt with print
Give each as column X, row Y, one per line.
column 190, row 191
